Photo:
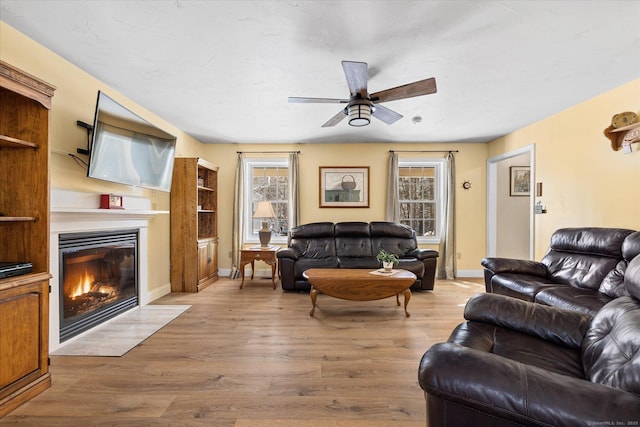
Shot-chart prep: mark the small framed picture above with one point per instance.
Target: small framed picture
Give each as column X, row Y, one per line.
column 344, row 187
column 520, row 177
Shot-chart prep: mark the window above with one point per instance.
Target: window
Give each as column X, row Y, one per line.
column 420, row 192
column 267, row 179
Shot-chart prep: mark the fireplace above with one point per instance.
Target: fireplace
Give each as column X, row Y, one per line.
column 98, row 278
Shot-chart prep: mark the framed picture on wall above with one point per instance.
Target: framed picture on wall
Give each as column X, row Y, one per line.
column 520, row 177
column 344, row 187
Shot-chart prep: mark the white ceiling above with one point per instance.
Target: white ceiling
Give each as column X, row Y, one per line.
column 222, row 70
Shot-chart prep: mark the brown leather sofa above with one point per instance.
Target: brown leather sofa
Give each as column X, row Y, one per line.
column 518, row 363
column 352, row 245
column 583, row 269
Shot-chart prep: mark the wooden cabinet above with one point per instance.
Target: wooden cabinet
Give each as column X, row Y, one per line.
column 207, row 261
column 194, row 225
column 24, row 235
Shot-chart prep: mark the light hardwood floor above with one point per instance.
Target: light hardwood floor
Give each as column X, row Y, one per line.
column 254, row 357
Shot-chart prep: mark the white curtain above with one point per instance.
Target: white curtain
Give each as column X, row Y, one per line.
column 393, row 206
column 294, row 192
column 447, row 261
column 238, row 218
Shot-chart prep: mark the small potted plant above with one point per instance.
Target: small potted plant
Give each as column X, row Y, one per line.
column 388, row 259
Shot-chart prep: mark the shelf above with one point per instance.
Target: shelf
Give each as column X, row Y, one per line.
column 24, row 299
column 626, row 128
column 194, row 217
column 9, row 142
column 626, row 135
column 18, row 218
column 23, row 279
column 206, row 189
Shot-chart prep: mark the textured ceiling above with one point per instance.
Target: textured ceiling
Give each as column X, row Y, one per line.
column 222, row 70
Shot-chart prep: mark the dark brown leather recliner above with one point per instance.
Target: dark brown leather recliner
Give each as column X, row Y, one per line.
column 582, row 270
column 352, row 244
column 515, row 362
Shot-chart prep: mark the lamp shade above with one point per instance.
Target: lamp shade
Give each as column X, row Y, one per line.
column 359, row 114
column 264, row 210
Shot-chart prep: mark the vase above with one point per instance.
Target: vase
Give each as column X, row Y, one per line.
column 387, row 265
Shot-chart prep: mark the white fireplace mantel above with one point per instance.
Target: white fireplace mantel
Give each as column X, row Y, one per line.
column 73, row 211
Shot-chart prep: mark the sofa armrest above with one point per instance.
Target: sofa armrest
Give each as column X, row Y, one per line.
column 423, row 254
column 557, row 325
column 290, row 253
column 509, row 265
column 511, row 390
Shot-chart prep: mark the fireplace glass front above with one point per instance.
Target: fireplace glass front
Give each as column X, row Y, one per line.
column 98, row 276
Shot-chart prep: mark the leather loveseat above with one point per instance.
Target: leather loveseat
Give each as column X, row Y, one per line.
column 352, row 245
column 583, row 269
column 518, row 363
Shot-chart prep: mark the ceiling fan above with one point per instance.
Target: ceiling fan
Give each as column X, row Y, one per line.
column 361, row 105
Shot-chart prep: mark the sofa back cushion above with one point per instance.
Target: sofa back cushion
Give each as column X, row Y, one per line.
column 353, row 239
column 582, row 257
column 613, row 283
column 393, row 237
column 315, row 240
column 611, row 347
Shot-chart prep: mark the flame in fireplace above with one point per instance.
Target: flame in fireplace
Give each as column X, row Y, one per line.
column 83, row 286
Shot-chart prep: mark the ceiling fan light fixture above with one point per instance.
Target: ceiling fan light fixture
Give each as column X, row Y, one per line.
column 359, row 114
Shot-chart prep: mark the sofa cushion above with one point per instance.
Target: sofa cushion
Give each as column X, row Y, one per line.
column 611, row 347
column 631, row 246
column 519, row 347
column 353, row 240
column 523, row 286
column 314, row 240
column 585, row 301
column 579, row 270
column 582, row 257
column 358, row 262
column 613, row 283
column 395, row 238
column 632, row 278
column 414, row 265
column 606, row 242
column 303, row 264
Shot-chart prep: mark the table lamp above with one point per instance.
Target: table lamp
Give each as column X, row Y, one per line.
column 264, row 211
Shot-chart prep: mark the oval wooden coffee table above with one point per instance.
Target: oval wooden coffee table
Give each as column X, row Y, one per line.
column 359, row 284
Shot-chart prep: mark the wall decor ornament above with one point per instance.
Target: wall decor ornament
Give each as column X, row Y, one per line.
column 344, row 186
column 520, row 181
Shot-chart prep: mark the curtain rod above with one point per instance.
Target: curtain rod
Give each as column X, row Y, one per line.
column 266, row 152
column 423, row 151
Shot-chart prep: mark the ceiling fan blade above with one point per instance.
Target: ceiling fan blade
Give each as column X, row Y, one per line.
column 335, row 119
column 357, row 74
column 419, row 88
column 386, row 115
column 295, row 99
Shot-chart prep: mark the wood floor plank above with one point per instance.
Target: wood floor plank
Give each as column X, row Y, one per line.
column 254, row 357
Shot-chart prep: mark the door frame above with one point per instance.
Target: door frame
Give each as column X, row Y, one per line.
column 492, row 198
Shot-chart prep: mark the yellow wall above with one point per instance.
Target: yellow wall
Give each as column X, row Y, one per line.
column 470, row 165
column 585, row 182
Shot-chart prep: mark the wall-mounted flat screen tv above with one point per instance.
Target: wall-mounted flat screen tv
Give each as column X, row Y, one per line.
column 127, row 149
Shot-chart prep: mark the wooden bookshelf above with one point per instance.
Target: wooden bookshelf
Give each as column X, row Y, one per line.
column 24, row 226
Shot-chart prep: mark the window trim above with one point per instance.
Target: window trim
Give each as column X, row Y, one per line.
column 440, row 177
column 249, row 165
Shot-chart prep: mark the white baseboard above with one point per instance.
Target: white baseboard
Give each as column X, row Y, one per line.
column 470, row 273
column 155, row 294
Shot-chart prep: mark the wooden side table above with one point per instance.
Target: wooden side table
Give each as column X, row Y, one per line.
column 266, row 254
